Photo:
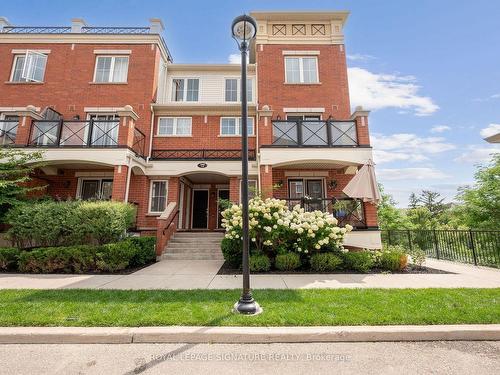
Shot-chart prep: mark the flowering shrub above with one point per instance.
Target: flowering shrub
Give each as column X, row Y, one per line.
column 275, row 229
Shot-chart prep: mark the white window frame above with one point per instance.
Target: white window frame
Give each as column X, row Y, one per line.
column 22, row 76
column 250, row 85
column 79, row 184
column 184, row 89
column 238, row 126
column 111, row 68
column 175, row 119
column 301, row 70
column 150, row 200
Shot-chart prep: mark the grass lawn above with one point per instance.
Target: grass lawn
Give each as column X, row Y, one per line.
column 281, row 307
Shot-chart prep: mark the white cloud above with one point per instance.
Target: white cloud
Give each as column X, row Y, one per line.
column 377, row 91
column 407, row 143
column 410, row 174
column 234, row 58
column 381, row 156
column 360, row 57
column 488, row 98
column 440, row 128
column 490, row 130
column 478, row 153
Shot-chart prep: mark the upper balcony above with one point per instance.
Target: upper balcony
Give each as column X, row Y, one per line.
column 314, row 133
column 74, row 134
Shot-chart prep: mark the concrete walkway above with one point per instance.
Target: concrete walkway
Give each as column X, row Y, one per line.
column 189, row 274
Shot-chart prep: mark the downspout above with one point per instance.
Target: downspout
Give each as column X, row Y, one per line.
column 127, row 183
column 151, row 132
column 257, row 148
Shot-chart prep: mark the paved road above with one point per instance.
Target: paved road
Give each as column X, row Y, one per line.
column 336, row 358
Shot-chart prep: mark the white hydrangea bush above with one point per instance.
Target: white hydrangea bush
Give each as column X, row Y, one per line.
column 274, row 228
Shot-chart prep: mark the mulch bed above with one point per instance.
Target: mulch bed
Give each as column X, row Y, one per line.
column 226, row 269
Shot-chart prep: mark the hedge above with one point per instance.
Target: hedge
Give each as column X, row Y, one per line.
column 8, row 258
column 50, row 223
column 112, row 257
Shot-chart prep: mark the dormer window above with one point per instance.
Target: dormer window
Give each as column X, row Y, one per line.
column 185, row 89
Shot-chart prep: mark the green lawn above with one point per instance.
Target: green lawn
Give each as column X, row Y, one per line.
column 281, row 307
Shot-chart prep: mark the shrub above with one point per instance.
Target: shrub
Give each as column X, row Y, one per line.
column 8, row 258
column 145, row 250
column 259, row 263
column 417, row 256
column 325, row 262
column 274, row 228
column 111, row 257
column 232, row 252
column 360, row 261
column 49, row 223
column 287, row 262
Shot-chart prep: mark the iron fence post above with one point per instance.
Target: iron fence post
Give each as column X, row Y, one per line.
column 473, row 248
column 91, row 130
column 389, row 240
column 59, row 132
column 299, row 132
column 409, row 239
column 436, row 247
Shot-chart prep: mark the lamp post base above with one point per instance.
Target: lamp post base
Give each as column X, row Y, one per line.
column 247, row 306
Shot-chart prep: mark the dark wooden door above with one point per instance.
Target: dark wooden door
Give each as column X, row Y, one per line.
column 200, row 209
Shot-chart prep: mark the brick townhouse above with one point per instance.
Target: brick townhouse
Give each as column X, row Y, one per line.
column 117, row 119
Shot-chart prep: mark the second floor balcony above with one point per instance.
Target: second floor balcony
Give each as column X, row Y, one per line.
column 72, row 134
column 314, row 133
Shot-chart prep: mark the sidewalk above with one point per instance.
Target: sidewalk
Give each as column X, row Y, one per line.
column 182, row 274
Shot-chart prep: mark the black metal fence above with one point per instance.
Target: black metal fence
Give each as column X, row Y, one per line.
column 479, row 247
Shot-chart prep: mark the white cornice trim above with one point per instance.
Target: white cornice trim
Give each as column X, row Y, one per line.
column 112, row 51
column 304, row 110
column 300, row 53
column 209, row 67
column 23, row 51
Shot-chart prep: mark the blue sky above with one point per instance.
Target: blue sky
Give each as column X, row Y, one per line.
column 429, row 70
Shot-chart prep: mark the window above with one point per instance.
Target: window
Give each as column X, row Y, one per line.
column 158, row 194
column 29, row 67
column 252, row 188
column 232, row 91
column 96, row 188
column 180, row 126
column 232, row 126
column 111, row 69
column 185, row 89
column 301, row 69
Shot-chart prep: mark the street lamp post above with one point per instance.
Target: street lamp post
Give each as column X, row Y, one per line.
column 243, row 29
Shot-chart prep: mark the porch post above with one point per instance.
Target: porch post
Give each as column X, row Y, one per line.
column 119, row 183
column 370, row 214
column 266, row 181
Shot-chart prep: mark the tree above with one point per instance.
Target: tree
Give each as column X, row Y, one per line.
column 432, row 201
column 16, row 168
column 480, row 203
column 413, row 201
column 389, row 216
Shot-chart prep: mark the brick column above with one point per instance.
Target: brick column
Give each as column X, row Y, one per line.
column 234, row 189
column 23, row 130
column 265, row 125
column 370, row 215
column 119, row 183
column 266, row 181
column 173, row 190
column 360, row 116
column 127, row 124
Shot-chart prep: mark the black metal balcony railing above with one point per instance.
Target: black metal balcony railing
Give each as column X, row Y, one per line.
column 314, row 133
column 60, row 133
column 345, row 210
column 194, row 154
column 8, row 132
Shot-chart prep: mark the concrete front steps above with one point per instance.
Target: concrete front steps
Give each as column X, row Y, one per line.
column 194, row 246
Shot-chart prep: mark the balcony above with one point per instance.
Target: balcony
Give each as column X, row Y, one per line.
column 72, row 134
column 345, row 210
column 8, row 132
column 314, row 133
column 195, row 154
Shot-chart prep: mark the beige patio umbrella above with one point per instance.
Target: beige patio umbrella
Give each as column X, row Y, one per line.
column 364, row 184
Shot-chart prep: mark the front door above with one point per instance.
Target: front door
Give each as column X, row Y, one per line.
column 200, row 209
column 222, row 195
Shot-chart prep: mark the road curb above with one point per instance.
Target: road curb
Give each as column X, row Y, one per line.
column 177, row 334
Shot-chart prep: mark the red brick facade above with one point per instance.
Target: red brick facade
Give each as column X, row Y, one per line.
column 68, row 88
